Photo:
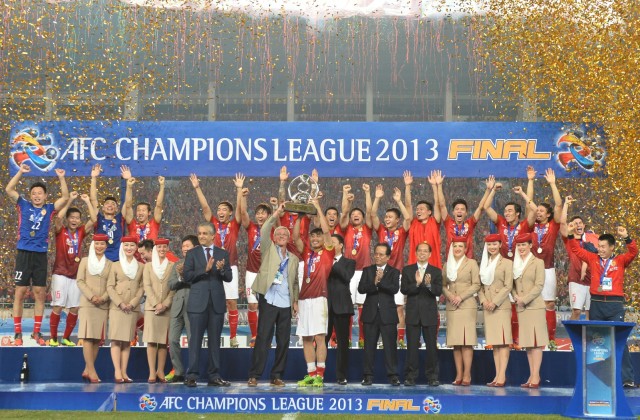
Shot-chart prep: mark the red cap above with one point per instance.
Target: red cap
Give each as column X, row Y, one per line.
column 494, row 237
column 462, row 239
column 129, row 239
column 100, row 237
column 162, row 241
column 523, row 237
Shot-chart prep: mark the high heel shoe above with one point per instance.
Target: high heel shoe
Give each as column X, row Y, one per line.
column 128, row 380
column 118, row 380
column 162, row 380
column 465, row 383
column 151, row 381
column 456, row 382
column 94, row 380
column 525, row 385
column 534, row 386
column 85, row 377
column 498, row 384
column 492, row 383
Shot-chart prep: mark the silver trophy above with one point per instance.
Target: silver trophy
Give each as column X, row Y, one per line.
column 302, row 189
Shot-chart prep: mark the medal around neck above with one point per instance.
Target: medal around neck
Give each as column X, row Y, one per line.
column 302, row 189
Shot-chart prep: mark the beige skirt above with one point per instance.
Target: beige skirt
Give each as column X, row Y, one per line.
column 532, row 326
column 461, row 327
column 92, row 323
column 156, row 327
column 497, row 327
column 122, row 327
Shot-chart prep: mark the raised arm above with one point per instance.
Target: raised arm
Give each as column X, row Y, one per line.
column 64, row 191
column 490, row 182
column 442, row 203
column 550, row 176
column 125, row 174
column 242, row 215
column 60, row 215
column 297, row 240
column 93, row 190
column 128, row 201
column 347, row 200
column 408, row 181
column 406, row 214
column 530, row 206
column 564, row 215
column 93, row 213
column 157, row 212
column 282, row 189
column 206, row 210
column 435, row 178
column 10, row 189
column 367, row 204
column 324, row 225
column 531, row 177
column 375, row 219
column 493, row 215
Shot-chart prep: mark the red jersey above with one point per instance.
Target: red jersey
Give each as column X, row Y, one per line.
column 465, row 230
column 575, row 264
column 68, row 248
column 253, row 254
column 544, row 239
column 508, row 235
column 612, row 268
column 337, row 230
column 396, row 240
column 428, row 232
column 317, row 266
column 288, row 220
column 149, row 230
column 357, row 245
column 226, row 237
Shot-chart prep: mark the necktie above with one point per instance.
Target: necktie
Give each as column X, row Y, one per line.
column 208, row 253
column 421, row 270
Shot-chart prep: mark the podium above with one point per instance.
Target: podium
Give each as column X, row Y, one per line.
column 598, row 347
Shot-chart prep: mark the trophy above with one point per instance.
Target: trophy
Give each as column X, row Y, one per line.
column 302, row 189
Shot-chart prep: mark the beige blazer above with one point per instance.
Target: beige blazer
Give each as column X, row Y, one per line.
column 157, row 289
column 91, row 286
column 270, row 263
column 498, row 292
column 121, row 289
column 466, row 285
column 529, row 286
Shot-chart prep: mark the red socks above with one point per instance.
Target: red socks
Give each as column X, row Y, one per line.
column 54, row 321
column 37, row 324
column 71, row 324
column 233, row 323
column 252, row 317
column 551, row 323
column 17, row 324
column 401, row 334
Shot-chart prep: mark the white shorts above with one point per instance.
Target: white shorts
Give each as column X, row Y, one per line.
column 549, row 290
column 231, row 288
column 313, row 317
column 64, row 292
column 356, row 297
column 580, row 296
column 248, row 280
column 399, row 298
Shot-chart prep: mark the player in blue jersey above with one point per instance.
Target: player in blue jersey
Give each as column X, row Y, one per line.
column 34, row 220
column 110, row 217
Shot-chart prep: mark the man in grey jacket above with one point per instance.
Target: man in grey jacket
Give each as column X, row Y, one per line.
column 179, row 318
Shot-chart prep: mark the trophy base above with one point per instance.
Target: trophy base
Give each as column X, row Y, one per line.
column 301, row 208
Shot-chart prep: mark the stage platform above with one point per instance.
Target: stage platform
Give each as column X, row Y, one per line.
column 55, row 384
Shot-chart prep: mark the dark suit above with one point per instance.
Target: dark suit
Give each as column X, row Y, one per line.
column 340, row 310
column 206, row 307
column 380, row 317
column 421, row 318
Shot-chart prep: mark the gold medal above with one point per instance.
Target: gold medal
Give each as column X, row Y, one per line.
column 110, row 241
column 32, row 233
column 510, row 254
column 599, row 288
column 43, row 212
column 308, row 280
column 353, row 252
column 540, row 250
column 77, row 259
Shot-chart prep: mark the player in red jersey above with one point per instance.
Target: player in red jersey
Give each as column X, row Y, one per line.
column 356, row 225
column 579, row 274
column 142, row 226
column 509, row 227
column 262, row 212
column 393, row 233
column 425, row 224
column 545, row 234
column 313, row 310
column 70, row 233
column 226, row 237
column 459, row 224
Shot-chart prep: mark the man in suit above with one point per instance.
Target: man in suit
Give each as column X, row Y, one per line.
column 380, row 282
column 422, row 283
column 277, row 289
column 205, row 268
column 179, row 318
column 340, row 305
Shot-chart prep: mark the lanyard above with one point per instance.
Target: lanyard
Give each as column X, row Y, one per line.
column 511, row 235
column 223, row 233
column 310, row 264
column 390, row 239
column 605, row 267
column 256, row 240
column 541, row 232
column 74, row 241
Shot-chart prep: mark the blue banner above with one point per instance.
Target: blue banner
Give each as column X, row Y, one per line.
column 335, row 149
